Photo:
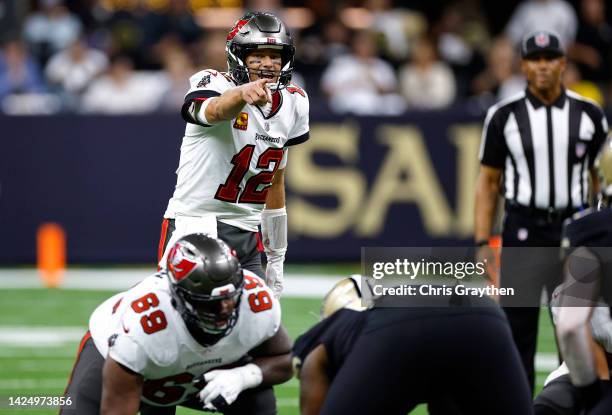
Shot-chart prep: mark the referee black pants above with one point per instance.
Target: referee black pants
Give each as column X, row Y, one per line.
column 530, row 261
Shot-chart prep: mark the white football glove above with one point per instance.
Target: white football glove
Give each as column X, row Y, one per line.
column 274, row 236
column 223, row 386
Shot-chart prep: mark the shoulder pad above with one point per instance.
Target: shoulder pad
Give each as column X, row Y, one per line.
column 153, row 328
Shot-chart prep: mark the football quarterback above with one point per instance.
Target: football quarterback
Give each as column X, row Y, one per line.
column 240, row 124
column 203, row 334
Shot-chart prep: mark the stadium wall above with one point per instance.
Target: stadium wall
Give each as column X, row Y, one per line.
column 366, row 181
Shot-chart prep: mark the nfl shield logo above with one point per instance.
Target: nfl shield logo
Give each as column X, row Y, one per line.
column 580, row 149
column 542, row 40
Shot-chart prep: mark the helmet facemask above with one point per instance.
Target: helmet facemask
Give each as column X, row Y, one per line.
column 258, row 31
column 206, row 314
column 206, row 283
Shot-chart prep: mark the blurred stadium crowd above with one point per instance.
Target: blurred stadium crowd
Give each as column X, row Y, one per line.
column 367, row 57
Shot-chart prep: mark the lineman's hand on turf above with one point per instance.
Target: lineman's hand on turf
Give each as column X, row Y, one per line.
column 256, row 92
column 224, row 386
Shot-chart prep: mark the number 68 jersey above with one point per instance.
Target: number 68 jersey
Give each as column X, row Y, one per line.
column 141, row 330
column 226, row 168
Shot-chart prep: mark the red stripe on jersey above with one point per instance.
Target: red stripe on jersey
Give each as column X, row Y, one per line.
column 86, row 337
column 276, row 101
column 260, row 246
column 116, row 306
column 162, row 241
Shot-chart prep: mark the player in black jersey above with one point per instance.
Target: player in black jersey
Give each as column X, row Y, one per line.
column 587, row 285
column 388, row 360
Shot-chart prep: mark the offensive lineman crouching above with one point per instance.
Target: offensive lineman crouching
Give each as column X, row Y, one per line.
column 204, row 334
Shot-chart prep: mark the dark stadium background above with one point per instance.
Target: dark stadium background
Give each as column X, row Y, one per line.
column 105, row 174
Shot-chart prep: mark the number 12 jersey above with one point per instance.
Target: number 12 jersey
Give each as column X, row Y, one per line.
column 226, row 168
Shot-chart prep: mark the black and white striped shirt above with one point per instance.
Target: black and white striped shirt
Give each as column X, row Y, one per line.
column 545, row 151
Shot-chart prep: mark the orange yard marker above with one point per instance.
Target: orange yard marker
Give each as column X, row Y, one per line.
column 493, row 269
column 51, row 252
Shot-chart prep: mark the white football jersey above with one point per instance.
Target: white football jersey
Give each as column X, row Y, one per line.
column 140, row 329
column 226, row 168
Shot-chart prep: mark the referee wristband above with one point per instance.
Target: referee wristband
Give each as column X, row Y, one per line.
column 482, row 242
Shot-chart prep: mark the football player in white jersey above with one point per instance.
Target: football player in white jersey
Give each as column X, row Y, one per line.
column 234, row 152
column 203, row 334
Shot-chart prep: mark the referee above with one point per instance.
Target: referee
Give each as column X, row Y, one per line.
column 537, row 150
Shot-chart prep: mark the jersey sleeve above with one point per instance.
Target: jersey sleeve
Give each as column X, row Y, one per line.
column 146, row 332
column 203, row 86
column 127, row 352
column 600, row 134
column 493, row 149
column 300, row 131
column 260, row 312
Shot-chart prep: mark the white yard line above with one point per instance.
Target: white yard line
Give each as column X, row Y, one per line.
column 41, row 337
column 296, row 285
column 33, row 384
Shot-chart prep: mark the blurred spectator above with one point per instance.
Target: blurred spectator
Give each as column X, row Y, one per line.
column 124, row 91
column 73, row 69
column 209, row 51
column 19, row 73
column 557, row 16
column 572, row 79
column 462, row 40
column 501, row 78
column 51, row 29
column 9, row 19
column 362, row 83
column 174, row 18
column 171, row 20
column 427, row 83
column 336, row 37
column 593, row 48
column 399, row 27
column 177, row 70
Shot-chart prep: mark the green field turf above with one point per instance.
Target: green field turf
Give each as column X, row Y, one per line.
column 43, row 371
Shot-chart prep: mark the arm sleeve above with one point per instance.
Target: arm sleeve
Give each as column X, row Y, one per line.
column 493, row 148
column 203, row 86
column 283, row 162
column 300, row 132
column 129, row 353
column 599, row 137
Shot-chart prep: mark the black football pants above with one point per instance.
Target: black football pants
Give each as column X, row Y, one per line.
column 467, row 357
column 530, row 261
